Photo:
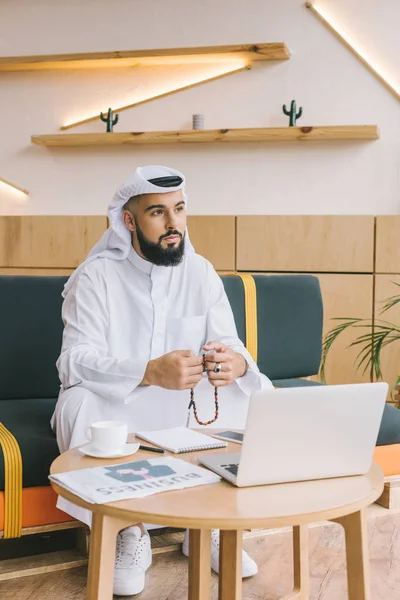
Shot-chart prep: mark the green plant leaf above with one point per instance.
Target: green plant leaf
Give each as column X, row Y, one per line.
column 392, row 301
column 378, row 335
column 392, row 389
column 329, row 339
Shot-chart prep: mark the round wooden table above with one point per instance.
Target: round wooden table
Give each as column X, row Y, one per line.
column 232, row 510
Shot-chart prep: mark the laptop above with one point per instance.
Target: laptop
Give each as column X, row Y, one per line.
column 300, row 434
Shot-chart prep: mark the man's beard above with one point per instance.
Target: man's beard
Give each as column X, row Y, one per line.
column 156, row 254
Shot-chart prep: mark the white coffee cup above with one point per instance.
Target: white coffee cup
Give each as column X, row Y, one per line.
column 108, row 436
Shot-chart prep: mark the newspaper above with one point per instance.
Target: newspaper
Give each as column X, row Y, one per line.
column 100, row 485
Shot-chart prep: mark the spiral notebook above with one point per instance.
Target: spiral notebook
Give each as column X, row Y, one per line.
column 180, row 439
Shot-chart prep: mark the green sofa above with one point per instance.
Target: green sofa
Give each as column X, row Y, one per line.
column 290, row 316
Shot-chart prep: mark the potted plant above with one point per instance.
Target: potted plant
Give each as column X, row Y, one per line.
column 375, row 335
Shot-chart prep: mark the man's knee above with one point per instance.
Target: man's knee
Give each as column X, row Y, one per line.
column 74, row 397
column 72, row 415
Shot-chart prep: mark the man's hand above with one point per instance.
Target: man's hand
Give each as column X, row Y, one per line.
column 233, row 364
column 178, row 370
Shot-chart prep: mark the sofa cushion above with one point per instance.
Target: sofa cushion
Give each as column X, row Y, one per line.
column 289, row 309
column 286, row 383
column 29, row 422
column 289, row 314
column 388, row 458
column 389, row 432
column 234, row 289
column 31, row 333
column 38, row 508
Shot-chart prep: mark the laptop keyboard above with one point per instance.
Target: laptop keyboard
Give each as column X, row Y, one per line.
column 233, row 468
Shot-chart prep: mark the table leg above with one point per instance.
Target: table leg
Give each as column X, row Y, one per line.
column 230, row 565
column 301, row 587
column 199, row 564
column 301, row 562
column 357, row 555
column 102, row 556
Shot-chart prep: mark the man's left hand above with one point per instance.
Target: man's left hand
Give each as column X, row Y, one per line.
column 233, row 364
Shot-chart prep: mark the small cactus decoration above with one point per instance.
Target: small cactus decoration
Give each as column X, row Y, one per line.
column 292, row 113
column 109, row 120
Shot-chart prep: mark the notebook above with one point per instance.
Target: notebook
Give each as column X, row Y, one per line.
column 180, row 439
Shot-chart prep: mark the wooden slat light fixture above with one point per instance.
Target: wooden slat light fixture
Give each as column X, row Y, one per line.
column 354, row 47
column 13, row 186
column 150, row 57
column 229, row 70
column 232, row 59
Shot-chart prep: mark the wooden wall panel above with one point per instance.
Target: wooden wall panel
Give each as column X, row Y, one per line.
column 345, row 296
column 384, row 289
column 387, row 244
column 214, row 238
column 338, row 244
column 48, row 241
column 34, row 272
column 53, row 245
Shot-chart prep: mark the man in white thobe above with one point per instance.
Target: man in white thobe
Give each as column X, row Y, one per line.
column 138, row 313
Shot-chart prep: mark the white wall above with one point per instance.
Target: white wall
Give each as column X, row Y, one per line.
column 325, row 78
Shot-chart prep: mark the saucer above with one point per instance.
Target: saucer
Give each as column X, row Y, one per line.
column 126, row 450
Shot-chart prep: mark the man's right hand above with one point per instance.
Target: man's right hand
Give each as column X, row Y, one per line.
column 177, row 370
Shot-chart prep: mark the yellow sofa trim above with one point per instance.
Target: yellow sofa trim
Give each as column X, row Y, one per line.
column 12, row 484
column 250, row 303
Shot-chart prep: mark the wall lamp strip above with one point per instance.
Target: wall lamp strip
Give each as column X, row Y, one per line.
column 13, row 186
column 247, row 66
column 360, row 54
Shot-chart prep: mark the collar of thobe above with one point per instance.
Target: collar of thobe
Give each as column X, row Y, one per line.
column 147, row 267
column 116, row 242
column 140, row 263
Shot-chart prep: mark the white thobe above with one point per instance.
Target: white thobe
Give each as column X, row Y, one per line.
column 120, row 314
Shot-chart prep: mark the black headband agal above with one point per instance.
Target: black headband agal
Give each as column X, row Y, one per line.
column 167, row 182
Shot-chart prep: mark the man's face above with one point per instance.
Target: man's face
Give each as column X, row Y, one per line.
column 158, row 226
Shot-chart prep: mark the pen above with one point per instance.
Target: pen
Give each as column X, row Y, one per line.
column 150, row 449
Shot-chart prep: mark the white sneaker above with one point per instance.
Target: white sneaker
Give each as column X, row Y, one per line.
column 132, row 559
column 249, row 567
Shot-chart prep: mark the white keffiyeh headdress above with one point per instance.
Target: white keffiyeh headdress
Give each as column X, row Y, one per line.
column 116, row 242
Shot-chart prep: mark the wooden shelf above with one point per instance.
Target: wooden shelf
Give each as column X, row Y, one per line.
column 261, row 134
column 129, row 58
